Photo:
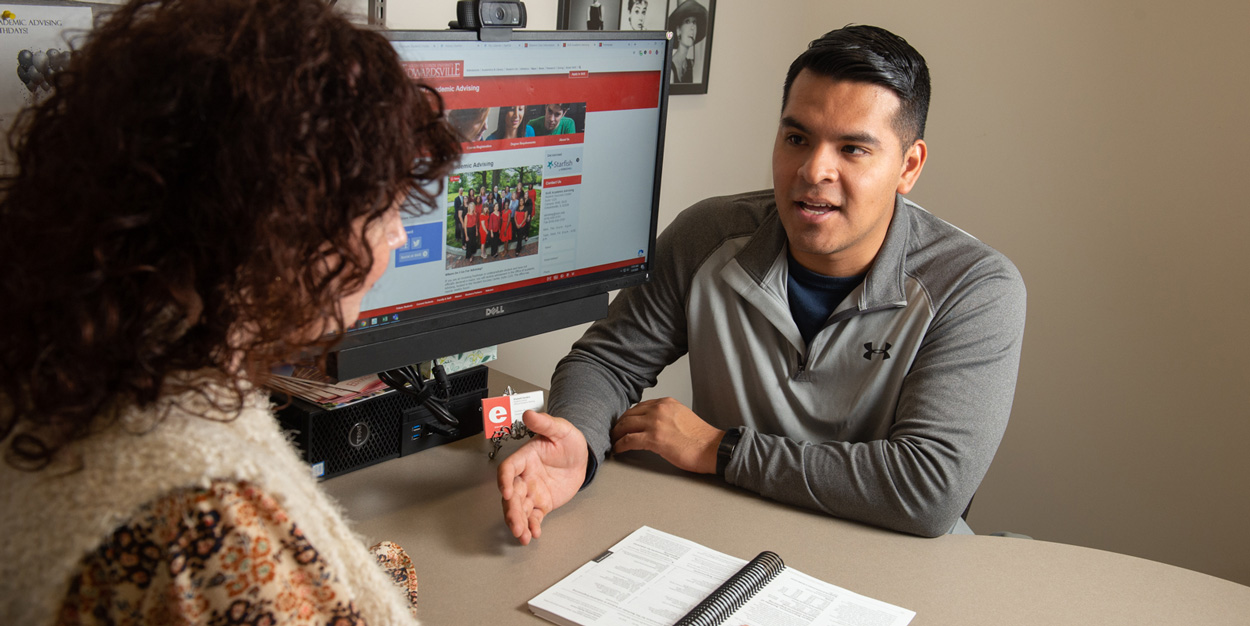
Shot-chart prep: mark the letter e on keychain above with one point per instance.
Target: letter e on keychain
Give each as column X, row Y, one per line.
column 501, row 416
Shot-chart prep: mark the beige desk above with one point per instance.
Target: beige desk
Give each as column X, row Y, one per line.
column 442, row 506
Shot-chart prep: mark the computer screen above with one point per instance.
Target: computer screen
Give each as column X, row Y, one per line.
column 553, row 204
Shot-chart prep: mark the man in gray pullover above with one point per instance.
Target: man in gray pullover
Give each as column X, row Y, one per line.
column 849, row 352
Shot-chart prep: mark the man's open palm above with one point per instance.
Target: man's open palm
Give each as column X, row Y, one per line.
column 542, row 475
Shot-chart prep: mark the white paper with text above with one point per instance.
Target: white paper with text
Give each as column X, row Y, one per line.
column 652, row 578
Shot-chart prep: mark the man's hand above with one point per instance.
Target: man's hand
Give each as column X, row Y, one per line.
column 666, row 427
column 543, row 474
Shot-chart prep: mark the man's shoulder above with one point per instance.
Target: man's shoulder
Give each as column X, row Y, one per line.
column 742, row 212
column 706, row 226
column 942, row 254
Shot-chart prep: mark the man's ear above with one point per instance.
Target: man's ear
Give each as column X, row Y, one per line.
column 913, row 162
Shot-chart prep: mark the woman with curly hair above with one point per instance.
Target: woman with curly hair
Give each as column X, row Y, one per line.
column 208, row 191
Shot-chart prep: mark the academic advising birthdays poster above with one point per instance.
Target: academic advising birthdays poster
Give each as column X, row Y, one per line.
column 32, row 48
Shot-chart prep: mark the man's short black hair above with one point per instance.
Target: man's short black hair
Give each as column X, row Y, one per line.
column 873, row 55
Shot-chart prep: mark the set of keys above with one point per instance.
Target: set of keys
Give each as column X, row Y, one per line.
column 501, row 417
column 515, row 432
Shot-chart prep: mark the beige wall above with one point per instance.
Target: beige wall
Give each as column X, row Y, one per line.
column 1101, row 146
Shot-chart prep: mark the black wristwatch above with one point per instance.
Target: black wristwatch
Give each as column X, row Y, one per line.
column 725, row 450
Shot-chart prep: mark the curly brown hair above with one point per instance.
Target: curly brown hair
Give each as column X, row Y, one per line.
column 189, row 197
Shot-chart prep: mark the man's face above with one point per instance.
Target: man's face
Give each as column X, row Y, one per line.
column 837, row 164
column 688, row 30
column 554, row 114
column 638, row 16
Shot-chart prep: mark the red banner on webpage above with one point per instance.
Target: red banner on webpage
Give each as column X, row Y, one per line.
column 566, row 181
column 601, row 91
column 523, row 142
column 455, row 297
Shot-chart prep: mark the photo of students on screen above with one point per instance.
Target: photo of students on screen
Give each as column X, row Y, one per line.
column 470, row 124
column 460, row 211
column 510, row 124
column 524, row 201
column 556, row 119
column 497, row 212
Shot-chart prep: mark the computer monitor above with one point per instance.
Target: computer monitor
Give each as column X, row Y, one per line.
column 587, row 110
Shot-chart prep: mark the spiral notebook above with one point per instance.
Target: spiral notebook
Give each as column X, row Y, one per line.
column 652, row 578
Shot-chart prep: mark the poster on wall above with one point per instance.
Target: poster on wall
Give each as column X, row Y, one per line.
column 688, row 22
column 638, row 15
column 33, row 49
column 589, row 14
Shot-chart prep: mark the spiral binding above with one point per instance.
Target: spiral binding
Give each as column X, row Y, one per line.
column 736, row 591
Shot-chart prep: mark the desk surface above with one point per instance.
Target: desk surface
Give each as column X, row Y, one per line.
column 442, row 506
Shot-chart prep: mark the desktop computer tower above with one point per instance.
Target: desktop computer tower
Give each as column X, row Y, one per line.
column 336, row 441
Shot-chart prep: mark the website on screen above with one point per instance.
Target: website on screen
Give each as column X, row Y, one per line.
column 557, row 177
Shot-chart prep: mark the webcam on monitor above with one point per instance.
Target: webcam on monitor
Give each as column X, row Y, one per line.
column 493, row 19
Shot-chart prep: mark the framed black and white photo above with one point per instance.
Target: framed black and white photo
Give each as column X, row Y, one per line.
column 690, row 22
column 644, row 15
column 589, row 14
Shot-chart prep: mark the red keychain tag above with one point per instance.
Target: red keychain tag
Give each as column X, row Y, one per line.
column 503, row 412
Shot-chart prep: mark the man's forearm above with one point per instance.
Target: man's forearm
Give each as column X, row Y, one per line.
column 586, row 394
column 906, row 486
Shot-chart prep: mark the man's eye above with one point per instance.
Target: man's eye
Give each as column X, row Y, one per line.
column 796, row 140
column 854, row 150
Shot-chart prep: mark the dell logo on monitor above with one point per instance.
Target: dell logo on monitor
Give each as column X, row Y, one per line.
column 494, row 310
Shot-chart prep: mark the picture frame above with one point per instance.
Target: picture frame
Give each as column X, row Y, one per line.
column 644, row 15
column 38, row 41
column 687, row 77
column 589, row 14
column 689, row 67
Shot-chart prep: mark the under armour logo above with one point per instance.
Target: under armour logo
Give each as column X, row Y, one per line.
column 884, row 352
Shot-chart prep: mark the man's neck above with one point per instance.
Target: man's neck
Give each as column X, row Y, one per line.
column 836, row 265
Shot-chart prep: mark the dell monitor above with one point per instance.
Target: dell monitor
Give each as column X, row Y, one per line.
column 553, row 204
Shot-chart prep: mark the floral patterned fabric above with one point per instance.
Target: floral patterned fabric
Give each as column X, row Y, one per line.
column 225, row 555
column 395, row 562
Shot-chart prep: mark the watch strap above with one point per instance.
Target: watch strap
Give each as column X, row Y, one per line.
column 725, row 451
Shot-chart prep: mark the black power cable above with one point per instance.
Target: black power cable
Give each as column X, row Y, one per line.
column 409, row 381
